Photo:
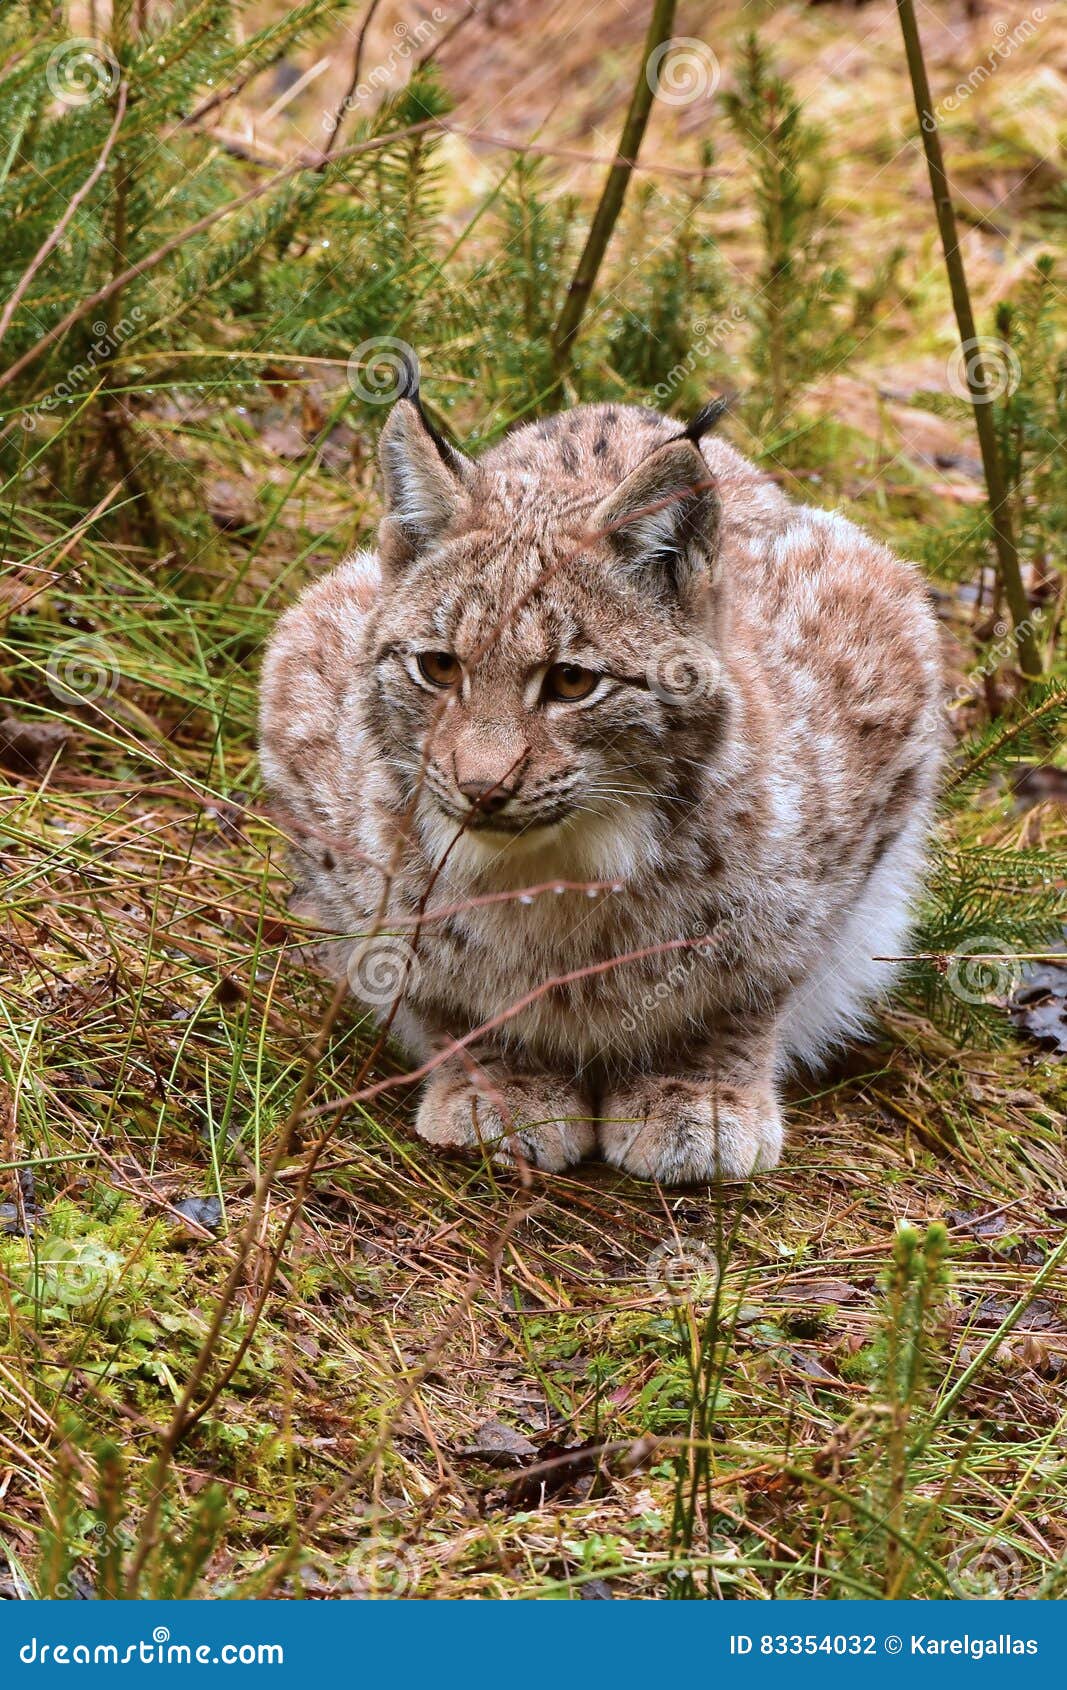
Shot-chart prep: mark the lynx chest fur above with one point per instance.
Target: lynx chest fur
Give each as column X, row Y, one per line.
column 611, row 771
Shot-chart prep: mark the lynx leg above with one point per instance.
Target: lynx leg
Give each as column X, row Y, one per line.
column 533, row 1116
column 719, row 1120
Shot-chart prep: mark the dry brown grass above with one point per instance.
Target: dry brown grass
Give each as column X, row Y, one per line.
column 158, row 1008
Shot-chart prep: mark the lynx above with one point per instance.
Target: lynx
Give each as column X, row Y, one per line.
column 625, row 763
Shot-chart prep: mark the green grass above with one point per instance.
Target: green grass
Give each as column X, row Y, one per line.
column 375, row 1303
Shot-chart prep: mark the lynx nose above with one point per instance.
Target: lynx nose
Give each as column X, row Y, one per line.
column 486, row 795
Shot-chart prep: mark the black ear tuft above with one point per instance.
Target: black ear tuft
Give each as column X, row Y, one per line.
column 705, row 420
column 410, row 379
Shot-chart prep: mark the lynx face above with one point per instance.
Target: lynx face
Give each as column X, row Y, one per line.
column 540, row 666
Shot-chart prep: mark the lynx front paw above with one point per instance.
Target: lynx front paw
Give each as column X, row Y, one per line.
column 531, row 1117
column 680, row 1131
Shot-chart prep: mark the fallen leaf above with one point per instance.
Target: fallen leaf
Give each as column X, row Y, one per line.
column 230, row 503
column 959, row 492
column 11, row 1221
column 806, row 1291
column 977, row 1225
column 500, row 1446
column 812, row 1368
column 559, row 1468
column 962, row 461
column 991, row 1311
column 29, row 747
column 1038, row 1005
column 284, row 440
column 202, row 1211
column 18, row 1220
column 1039, row 783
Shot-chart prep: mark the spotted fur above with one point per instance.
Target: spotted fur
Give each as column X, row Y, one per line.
column 753, row 774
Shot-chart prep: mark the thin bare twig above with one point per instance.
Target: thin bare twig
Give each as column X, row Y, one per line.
column 52, row 574
column 607, row 212
column 450, row 33
column 974, row 364
column 353, row 81
column 571, row 155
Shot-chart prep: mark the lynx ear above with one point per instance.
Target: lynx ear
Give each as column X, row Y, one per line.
column 662, row 522
column 425, row 479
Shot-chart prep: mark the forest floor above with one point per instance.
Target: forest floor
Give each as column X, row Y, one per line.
column 466, row 1383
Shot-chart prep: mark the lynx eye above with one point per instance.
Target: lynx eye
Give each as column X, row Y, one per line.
column 569, row 682
column 440, row 668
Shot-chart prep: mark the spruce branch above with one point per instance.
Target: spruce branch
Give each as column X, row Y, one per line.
column 799, row 330
column 61, row 227
column 1049, row 701
column 86, row 306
